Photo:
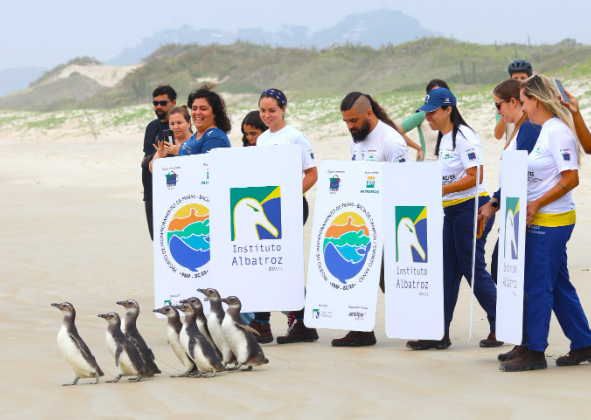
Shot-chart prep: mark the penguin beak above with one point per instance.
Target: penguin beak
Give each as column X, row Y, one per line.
column 159, row 310
column 121, row 302
column 225, row 301
column 183, row 301
column 102, row 315
column 201, row 291
column 57, row 305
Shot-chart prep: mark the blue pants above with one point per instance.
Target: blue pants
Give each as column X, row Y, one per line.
column 458, row 231
column 548, row 286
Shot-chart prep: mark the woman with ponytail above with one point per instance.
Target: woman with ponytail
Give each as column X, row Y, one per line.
column 460, row 152
column 552, row 175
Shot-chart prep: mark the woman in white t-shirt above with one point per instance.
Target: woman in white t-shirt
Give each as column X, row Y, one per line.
column 272, row 107
column 460, row 153
column 552, row 175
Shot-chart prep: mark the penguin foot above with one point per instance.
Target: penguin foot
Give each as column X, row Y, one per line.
column 236, row 366
column 211, row 375
column 195, row 375
column 98, row 377
column 136, row 379
column 182, row 375
column 247, row 369
column 114, row 381
column 74, row 382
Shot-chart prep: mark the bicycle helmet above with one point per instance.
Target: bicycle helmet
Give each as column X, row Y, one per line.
column 520, row 66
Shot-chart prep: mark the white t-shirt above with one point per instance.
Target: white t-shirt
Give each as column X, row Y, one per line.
column 454, row 162
column 382, row 144
column 289, row 135
column 555, row 151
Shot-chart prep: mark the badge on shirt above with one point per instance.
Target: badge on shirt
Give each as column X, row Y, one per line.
column 565, row 155
column 471, row 155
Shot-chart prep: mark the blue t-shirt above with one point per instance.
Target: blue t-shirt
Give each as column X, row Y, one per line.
column 211, row 139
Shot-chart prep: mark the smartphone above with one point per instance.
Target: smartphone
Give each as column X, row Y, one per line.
column 169, row 136
column 561, row 90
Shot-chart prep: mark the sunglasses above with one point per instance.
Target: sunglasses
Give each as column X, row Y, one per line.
column 498, row 105
column 161, row 103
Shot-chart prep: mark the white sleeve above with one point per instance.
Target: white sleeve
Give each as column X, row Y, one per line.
column 563, row 148
column 470, row 153
column 395, row 148
column 307, row 154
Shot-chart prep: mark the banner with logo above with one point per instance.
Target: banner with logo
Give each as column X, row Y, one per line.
column 257, row 234
column 512, row 215
column 346, row 249
column 413, row 216
column 181, row 196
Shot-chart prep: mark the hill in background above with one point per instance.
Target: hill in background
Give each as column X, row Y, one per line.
column 303, row 73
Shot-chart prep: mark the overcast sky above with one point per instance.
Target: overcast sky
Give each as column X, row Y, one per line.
column 46, row 33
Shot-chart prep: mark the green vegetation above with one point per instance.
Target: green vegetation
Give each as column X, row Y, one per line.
column 81, row 61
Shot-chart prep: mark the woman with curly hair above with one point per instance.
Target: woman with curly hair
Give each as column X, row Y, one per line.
column 211, row 120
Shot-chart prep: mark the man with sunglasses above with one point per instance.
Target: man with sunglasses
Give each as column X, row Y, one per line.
column 164, row 99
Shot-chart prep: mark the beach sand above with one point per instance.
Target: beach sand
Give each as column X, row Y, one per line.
column 73, row 228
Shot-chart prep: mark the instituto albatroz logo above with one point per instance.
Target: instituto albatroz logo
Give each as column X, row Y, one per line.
column 188, row 236
column 511, row 227
column 411, row 234
column 346, row 245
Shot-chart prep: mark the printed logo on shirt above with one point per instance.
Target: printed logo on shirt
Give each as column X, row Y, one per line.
column 312, row 155
column 354, row 155
column 401, row 160
column 538, row 148
column 362, row 156
column 171, row 179
column 255, row 213
column 445, row 154
column 471, row 155
column 411, row 234
column 511, row 227
column 335, row 183
column 565, row 156
column 371, row 156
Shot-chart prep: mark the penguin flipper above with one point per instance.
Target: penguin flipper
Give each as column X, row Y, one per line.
column 118, row 354
column 82, row 346
column 247, row 328
column 192, row 343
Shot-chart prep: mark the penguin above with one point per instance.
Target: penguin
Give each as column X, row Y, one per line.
column 214, row 324
column 174, row 328
column 241, row 338
column 127, row 356
column 129, row 328
column 73, row 347
column 201, row 319
column 196, row 345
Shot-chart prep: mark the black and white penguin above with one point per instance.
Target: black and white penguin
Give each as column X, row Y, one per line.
column 173, row 330
column 127, row 356
column 214, row 324
column 196, row 345
column 241, row 338
column 129, row 328
column 73, row 347
column 201, row 320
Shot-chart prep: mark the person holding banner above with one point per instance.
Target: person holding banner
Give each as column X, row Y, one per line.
column 272, row 106
column 180, row 123
column 211, row 120
column 252, row 127
column 417, row 120
column 374, row 138
column 552, row 175
column 460, row 152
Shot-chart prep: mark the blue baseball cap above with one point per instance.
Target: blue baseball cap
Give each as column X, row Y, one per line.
column 437, row 98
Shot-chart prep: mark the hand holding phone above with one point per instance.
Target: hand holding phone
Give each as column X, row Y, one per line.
column 561, row 90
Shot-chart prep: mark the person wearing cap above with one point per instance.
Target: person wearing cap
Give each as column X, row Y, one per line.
column 374, row 138
column 553, row 172
column 272, row 107
column 518, row 70
column 417, row 120
column 460, row 152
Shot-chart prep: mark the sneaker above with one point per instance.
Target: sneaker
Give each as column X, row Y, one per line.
column 444, row 343
column 510, row 355
column 575, row 357
column 264, row 329
column 491, row 341
column 298, row 333
column 355, row 339
column 526, row 360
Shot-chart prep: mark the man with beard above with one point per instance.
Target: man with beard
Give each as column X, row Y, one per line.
column 375, row 138
column 164, row 99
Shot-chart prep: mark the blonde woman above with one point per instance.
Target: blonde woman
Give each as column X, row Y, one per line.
column 552, row 175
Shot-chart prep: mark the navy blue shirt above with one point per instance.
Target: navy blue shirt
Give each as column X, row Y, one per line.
column 526, row 140
column 211, row 139
column 154, row 132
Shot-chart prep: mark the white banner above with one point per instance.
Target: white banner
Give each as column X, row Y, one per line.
column 181, row 228
column 413, row 216
column 346, row 249
column 512, row 215
column 257, row 226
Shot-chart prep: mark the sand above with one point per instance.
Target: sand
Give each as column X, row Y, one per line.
column 73, row 228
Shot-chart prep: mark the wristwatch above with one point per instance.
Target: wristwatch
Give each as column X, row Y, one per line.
column 493, row 202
